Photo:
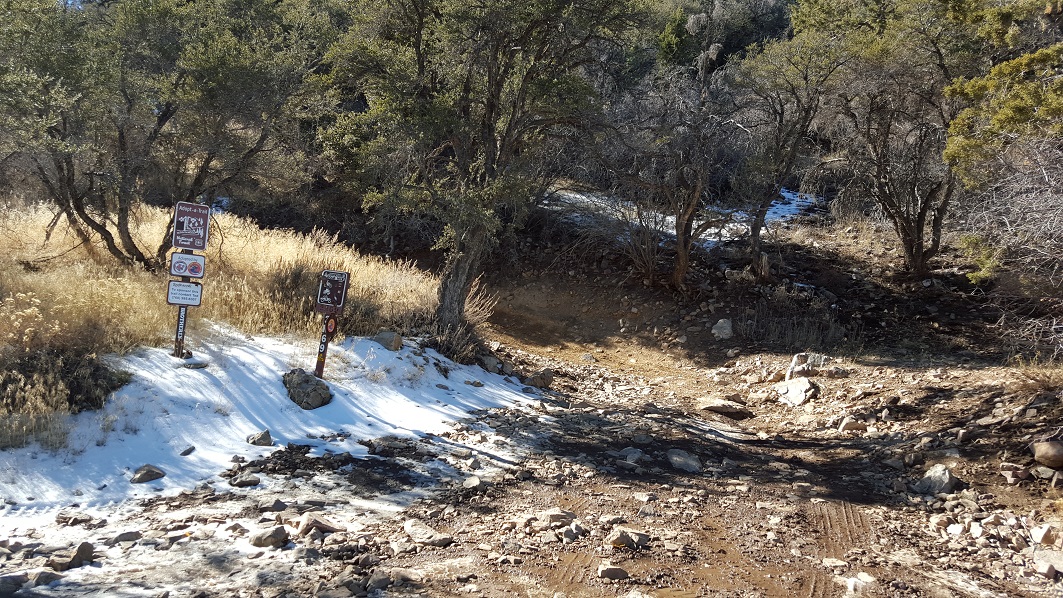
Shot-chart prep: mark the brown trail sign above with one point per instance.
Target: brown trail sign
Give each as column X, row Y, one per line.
column 191, row 225
column 331, row 294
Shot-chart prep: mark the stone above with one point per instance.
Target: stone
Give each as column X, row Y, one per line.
column 43, row 577
column 1049, row 454
column 66, row 517
column 309, row 522
column 389, row 339
column 623, row 537
column 378, row 580
column 63, row 562
column 262, row 438
column 475, row 484
column 834, row 563
column 541, row 379
column 147, row 473
column 684, row 461
column 851, row 424
column 276, row 537
column 245, row 480
column 188, row 451
column 272, row 506
column 12, row 582
column 806, row 365
column 305, row 390
column 936, row 480
column 608, row 571
column 797, row 391
column 1044, row 534
column 421, row 533
column 1045, row 570
column 723, row 330
column 556, row 516
column 725, row 407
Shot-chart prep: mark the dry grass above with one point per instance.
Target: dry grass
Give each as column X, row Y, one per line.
column 62, row 304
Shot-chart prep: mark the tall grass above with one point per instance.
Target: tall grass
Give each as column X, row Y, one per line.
column 63, row 304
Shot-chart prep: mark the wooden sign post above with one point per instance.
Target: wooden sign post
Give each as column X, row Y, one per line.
column 331, row 293
column 191, row 225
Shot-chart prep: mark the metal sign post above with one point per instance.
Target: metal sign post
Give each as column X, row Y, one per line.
column 191, row 225
column 331, row 293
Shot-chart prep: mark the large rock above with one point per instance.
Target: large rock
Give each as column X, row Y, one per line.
column 305, row 390
column 276, row 537
column 797, row 391
column 147, row 473
column 937, row 479
column 541, row 379
column 624, row 537
column 389, row 339
column 684, row 461
column 262, row 438
column 64, row 562
column 421, row 533
column 609, row 571
column 807, row 365
column 723, row 330
column 245, row 480
column 725, row 407
column 1049, row 453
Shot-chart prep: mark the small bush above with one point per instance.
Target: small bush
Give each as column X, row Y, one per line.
column 795, row 319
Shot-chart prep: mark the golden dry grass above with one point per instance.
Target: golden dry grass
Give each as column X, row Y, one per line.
column 59, row 299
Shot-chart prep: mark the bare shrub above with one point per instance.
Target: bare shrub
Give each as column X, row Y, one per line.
column 795, row 319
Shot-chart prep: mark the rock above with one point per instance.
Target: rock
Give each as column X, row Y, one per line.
column 305, row 390
column 147, row 473
column 475, row 484
column 65, row 517
column 378, row 580
column 725, row 407
column 188, row 451
column 389, row 339
column 275, row 506
column 806, row 365
column 64, row 562
column 11, row 583
column 723, row 330
column 684, row 461
column 937, row 479
column 262, row 438
column 541, row 379
column 797, row 391
column 608, row 571
column 245, row 480
column 1044, row 534
column 42, row 577
column 851, row 424
column 1046, row 570
column 490, row 363
column 623, row 537
column 1049, row 454
column 556, row 516
column 310, row 521
column 128, row 536
column 421, row 533
column 834, row 563
column 276, row 537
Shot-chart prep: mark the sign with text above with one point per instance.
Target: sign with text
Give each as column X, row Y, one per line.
column 191, row 222
column 184, row 293
column 331, row 292
column 187, row 264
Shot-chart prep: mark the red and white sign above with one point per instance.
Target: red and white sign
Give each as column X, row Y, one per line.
column 187, row 264
column 191, row 223
column 184, row 293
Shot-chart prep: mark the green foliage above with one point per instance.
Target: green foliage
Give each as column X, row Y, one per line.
column 985, row 256
column 675, row 46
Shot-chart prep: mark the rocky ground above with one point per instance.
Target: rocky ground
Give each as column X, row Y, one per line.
column 666, row 459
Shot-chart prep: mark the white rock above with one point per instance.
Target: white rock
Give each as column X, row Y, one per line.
column 684, row 461
column 723, row 330
column 1044, row 534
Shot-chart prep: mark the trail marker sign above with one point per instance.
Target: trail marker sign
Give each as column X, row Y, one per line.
column 191, row 223
column 187, row 264
column 331, row 292
column 184, row 293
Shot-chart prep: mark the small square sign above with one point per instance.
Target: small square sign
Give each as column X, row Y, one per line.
column 187, row 264
column 331, row 291
column 191, row 223
column 184, row 293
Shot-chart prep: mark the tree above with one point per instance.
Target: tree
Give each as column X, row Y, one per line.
column 461, row 105
column 889, row 117
column 158, row 100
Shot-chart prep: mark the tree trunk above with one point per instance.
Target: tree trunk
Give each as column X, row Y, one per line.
column 463, row 265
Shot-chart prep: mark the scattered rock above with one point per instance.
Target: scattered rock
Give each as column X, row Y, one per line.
column 389, row 339
column 276, row 537
column 305, row 390
column 262, row 438
column 1049, row 453
column 147, row 473
column 937, row 479
column 127, row 536
column 852, row 424
column 608, row 571
column 188, row 451
column 309, row 522
column 723, row 330
column 684, row 461
column 541, row 379
column 475, row 484
column 556, row 516
column 64, row 562
column 65, row 517
column 245, row 480
column 421, row 533
column 726, row 407
column 42, row 577
column 623, row 537
column 797, row 391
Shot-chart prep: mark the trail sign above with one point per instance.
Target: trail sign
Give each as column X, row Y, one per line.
column 184, row 293
column 331, row 292
column 187, row 264
column 191, row 223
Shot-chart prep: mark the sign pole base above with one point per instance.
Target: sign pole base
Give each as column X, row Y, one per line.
column 179, row 337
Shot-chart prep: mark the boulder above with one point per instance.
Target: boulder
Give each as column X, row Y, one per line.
column 725, row 407
column 305, row 390
column 64, row 562
column 276, row 537
column 147, row 473
column 421, row 533
column 608, row 571
column 937, row 479
column 541, row 379
column 684, row 461
column 1049, row 453
column 623, row 537
column 723, row 330
column 389, row 339
column 245, row 480
column 796, row 391
column 262, row 438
